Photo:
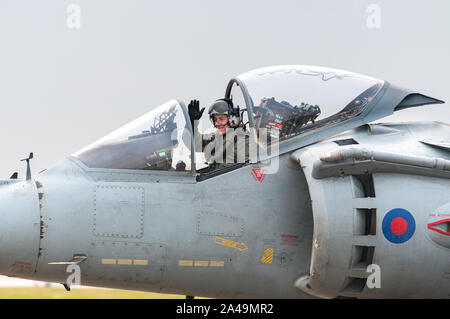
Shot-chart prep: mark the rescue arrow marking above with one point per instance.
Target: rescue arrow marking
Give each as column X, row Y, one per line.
column 230, row 243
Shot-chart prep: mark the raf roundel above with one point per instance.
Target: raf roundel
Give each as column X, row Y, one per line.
column 398, row 226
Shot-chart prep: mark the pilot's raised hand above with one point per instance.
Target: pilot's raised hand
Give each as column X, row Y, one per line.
column 194, row 111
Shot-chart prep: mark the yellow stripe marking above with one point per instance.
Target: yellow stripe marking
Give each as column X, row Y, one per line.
column 217, row 263
column 108, row 261
column 185, row 262
column 201, row 263
column 140, row 262
column 124, row 262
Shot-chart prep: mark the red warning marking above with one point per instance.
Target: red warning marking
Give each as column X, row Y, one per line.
column 439, row 215
column 289, row 240
column 22, row 264
column 440, row 231
column 258, row 173
column 399, row 226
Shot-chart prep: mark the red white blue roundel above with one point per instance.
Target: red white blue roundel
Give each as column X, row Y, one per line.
column 398, row 225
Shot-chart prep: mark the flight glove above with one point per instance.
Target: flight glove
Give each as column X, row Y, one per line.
column 194, row 111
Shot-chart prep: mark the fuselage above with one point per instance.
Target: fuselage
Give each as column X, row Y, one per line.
column 245, row 233
column 166, row 232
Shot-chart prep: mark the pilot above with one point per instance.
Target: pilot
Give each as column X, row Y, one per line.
column 230, row 143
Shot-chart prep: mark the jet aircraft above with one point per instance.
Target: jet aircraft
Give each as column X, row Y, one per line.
column 329, row 204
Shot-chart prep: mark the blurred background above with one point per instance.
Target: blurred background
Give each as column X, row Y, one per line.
column 73, row 71
column 15, row 288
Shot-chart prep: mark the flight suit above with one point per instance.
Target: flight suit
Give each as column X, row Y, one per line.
column 224, row 150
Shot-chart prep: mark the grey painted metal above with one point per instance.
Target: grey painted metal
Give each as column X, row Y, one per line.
column 351, row 160
column 416, row 99
column 355, row 153
column 19, row 229
column 417, row 268
column 181, row 221
column 321, row 170
column 444, row 146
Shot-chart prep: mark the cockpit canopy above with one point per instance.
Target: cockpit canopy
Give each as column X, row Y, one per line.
column 286, row 106
column 296, row 99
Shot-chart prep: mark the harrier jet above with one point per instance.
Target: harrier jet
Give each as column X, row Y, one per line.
column 328, row 204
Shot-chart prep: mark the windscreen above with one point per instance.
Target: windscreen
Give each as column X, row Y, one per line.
column 158, row 140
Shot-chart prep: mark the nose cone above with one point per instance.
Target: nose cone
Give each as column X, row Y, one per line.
column 19, row 228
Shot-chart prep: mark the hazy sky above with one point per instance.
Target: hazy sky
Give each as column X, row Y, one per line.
column 62, row 88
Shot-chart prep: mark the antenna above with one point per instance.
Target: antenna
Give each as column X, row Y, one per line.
column 28, row 165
